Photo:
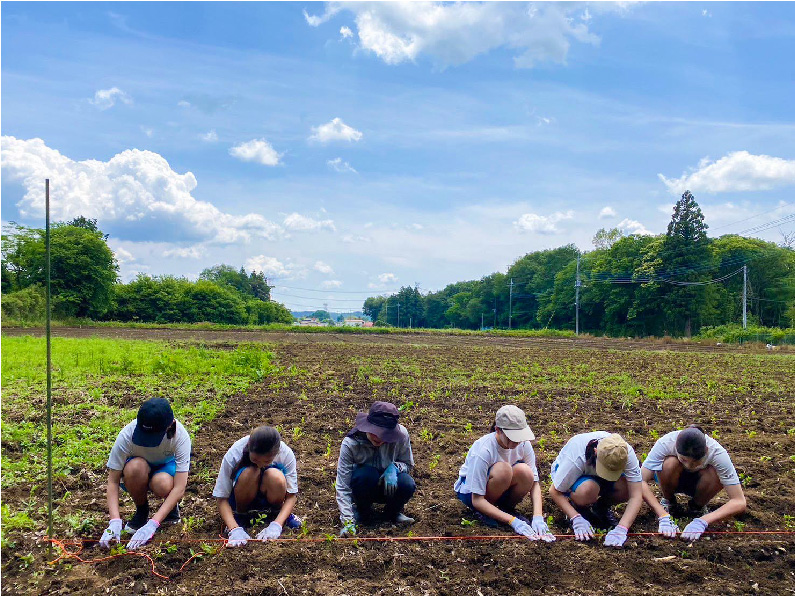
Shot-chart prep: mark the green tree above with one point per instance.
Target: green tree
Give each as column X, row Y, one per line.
column 252, row 284
column 606, row 238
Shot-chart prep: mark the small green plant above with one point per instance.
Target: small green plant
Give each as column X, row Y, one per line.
column 550, row 520
column 434, row 461
column 171, row 548
column 765, row 458
column 789, row 522
column 745, row 479
column 739, row 526
column 467, row 522
column 426, row 435
column 468, row 427
column 297, row 433
column 191, row 524
column 26, row 560
column 654, row 434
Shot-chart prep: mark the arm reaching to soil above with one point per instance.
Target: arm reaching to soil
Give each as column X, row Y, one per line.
column 734, row 506
column 480, row 503
column 633, row 505
column 648, row 495
column 344, row 492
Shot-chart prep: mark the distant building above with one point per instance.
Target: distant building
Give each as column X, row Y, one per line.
column 368, row 324
column 311, row 322
column 355, row 323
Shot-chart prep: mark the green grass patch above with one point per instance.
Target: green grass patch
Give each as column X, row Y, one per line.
column 97, row 386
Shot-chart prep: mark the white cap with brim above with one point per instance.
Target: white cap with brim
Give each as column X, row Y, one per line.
column 513, row 423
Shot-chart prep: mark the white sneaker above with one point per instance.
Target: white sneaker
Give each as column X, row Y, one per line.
column 666, row 504
column 404, row 520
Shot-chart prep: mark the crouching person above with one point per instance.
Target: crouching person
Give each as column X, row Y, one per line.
column 258, row 475
column 593, row 472
column 690, row 463
column 499, row 471
column 151, row 453
column 373, row 467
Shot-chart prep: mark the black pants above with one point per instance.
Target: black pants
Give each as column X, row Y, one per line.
column 366, row 491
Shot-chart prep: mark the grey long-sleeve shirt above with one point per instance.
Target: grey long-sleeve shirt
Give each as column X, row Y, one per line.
column 361, row 452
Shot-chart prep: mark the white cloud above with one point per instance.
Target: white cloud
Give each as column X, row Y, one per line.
column 258, row 151
column 346, row 32
column 123, row 256
column 706, row 13
column 454, row 33
column 149, row 132
column 385, row 278
column 630, row 226
column 336, row 130
column 541, row 224
column 191, row 252
column 270, row 267
column 353, row 239
column 212, row 137
column 736, row 172
column 105, row 99
column 607, row 212
column 331, row 283
column 136, row 191
column 183, row 104
column 301, row 223
column 417, row 226
column 340, row 166
column 324, row 268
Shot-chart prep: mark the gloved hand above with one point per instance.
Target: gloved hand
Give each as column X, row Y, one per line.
column 616, row 537
column 238, row 537
column 583, row 530
column 143, row 535
column 272, row 532
column 389, row 478
column 694, row 529
column 524, row 529
column 349, row 529
column 113, row 532
column 667, row 527
column 542, row 529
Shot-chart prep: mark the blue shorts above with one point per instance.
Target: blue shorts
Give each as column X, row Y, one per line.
column 260, row 502
column 687, row 482
column 605, row 486
column 466, row 498
column 169, row 467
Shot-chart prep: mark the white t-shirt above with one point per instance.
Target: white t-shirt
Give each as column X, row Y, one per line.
column 124, row 448
column 484, row 453
column 286, row 457
column 717, row 457
column 570, row 463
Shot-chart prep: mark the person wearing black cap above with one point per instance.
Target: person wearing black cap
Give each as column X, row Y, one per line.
column 374, row 464
column 151, row 453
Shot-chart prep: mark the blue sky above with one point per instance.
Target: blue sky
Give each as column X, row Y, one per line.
column 349, row 149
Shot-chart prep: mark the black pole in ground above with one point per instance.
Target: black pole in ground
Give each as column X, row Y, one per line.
column 49, row 364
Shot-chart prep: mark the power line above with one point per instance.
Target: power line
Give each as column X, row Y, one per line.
column 752, row 216
column 370, row 291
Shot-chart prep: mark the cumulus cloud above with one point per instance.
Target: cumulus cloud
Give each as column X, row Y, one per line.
column 353, row 239
column 258, row 151
column 736, row 172
column 149, row 132
column 105, row 99
column 607, row 211
column 212, row 137
column 191, row 252
column 301, row 223
column 123, row 256
column 385, row 278
column 183, row 104
column 324, row 268
column 541, row 224
column 454, row 33
column 345, row 32
column 336, row 130
column 340, row 166
column 630, row 226
column 331, row 283
column 135, row 191
column 270, row 266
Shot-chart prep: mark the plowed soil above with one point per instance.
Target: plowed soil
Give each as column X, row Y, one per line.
column 449, row 388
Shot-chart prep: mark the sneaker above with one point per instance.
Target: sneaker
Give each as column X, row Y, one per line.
column 138, row 520
column 293, row 522
column 173, row 516
column 486, row 520
column 666, row 504
column 404, row 520
column 603, row 517
column 695, row 510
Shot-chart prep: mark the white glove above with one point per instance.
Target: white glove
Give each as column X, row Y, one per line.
column 667, row 527
column 694, row 529
column 143, row 535
column 349, row 529
column 272, row 532
column 524, row 529
column 113, row 532
column 583, row 530
column 616, row 537
column 238, row 537
column 542, row 529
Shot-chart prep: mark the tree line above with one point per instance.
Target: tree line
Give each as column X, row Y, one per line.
column 85, row 284
column 634, row 285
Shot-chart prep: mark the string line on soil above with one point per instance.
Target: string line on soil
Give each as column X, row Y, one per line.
column 81, row 543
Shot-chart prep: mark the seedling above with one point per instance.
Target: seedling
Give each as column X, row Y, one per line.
column 789, row 522
column 467, row 522
column 434, row 461
column 739, row 526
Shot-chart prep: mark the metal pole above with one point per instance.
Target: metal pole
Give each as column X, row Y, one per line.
column 745, row 296
column 510, row 305
column 577, row 299
column 481, row 321
column 49, row 358
column 398, row 315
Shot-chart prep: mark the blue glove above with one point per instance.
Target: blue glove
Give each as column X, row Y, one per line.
column 143, row 535
column 238, row 537
column 524, row 529
column 112, row 533
column 542, row 529
column 389, row 478
column 616, row 537
column 583, row 530
column 694, row 529
column 667, row 527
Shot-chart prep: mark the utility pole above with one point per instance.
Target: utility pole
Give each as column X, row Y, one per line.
column 745, row 296
column 481, row 321
column 410, row 317
column 577, row 285
column 495, row 313
column 386, row 312
column 398, row 315
column 510, row 305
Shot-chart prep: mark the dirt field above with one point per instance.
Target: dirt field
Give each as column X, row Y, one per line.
column 449, row 388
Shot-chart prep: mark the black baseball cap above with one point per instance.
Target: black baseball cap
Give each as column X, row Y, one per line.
column 154, row 417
